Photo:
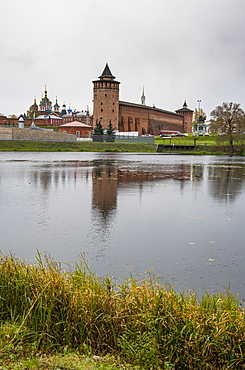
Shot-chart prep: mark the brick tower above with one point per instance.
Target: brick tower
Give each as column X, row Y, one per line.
column 188, row 115
column 106, row 100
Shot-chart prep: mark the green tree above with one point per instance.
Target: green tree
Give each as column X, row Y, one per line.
column 98, row 130
column 110, row 133
column 228, row 119
column 98, row 134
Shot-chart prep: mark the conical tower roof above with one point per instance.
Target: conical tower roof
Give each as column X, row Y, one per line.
column 184, row 108
column 106, row 74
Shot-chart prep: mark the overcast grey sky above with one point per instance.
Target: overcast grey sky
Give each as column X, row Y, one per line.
column 177, row 49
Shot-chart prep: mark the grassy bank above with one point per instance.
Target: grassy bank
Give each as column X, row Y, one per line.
column 45, row 310
column 205, row 145
column 82, row 146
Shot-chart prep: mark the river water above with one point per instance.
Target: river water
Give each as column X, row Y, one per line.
column 181, row 217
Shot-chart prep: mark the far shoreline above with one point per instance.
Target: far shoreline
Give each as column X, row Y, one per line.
column 87, row 146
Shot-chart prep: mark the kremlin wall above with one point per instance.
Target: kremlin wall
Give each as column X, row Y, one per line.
column 125, row 117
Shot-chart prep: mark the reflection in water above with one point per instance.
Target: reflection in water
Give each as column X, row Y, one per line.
column 161, row 212
column 225, row 181
column 107, row 178
column 197, row 172
column 104, row 180
column 45, row 178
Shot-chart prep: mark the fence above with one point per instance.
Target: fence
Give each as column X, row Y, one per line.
column 172, row 147
column 135, row 139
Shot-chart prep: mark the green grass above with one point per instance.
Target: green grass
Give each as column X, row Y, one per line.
column 65, row 361
column 86, row 146
column 45, row 310
column 205, row 145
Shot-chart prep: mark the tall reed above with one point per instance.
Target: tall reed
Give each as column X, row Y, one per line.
column 145, row 323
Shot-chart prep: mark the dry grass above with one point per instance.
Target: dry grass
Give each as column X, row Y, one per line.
column 44, row 309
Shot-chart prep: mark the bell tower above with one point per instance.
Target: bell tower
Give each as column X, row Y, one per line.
column 106, row 100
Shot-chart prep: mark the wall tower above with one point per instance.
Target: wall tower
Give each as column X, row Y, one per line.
column 106, row 99
column 188, row 115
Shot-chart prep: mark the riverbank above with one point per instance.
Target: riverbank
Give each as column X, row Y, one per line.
column 45, row 310
column 177, row 146
column 81, row 146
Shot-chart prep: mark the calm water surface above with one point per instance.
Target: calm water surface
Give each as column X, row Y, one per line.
column 181, row 217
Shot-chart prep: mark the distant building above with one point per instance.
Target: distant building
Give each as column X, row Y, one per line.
column 126, row 116
column 45, row 107
column 51, row 119
column 47, row 115
column 81, row 130
column 81, row 116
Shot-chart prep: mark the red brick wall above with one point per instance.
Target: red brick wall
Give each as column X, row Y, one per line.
column 160, row 120
column 147, row 120
column 133, row 119
column 5, row 121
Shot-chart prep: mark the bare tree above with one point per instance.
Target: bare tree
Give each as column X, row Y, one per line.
column 228, row 119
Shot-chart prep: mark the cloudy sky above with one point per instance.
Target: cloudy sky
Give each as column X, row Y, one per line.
column 177, row 49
